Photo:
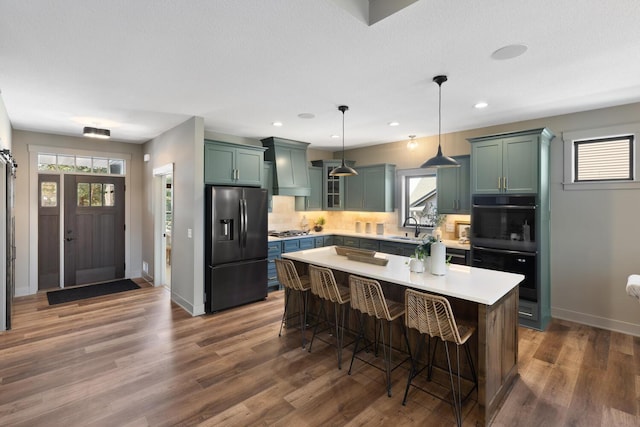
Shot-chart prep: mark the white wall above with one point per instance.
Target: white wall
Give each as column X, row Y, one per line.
column 26, row 243
column 5, row 127
column 184, row 147
column 5, row 143
column 595, row 235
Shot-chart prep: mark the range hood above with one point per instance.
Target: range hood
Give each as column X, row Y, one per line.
column 291, row 168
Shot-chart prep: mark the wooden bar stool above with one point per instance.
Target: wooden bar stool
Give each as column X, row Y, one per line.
column 288, row 276
column 367, row 297
column 432, row 315
column 323, row 284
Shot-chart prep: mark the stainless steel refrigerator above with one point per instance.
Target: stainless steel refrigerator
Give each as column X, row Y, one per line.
column 8, row 287
column 235, row 246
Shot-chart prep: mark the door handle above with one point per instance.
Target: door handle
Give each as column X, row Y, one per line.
column 246, row 220
column 68, row 239
column 499, row 179
column 504, row 182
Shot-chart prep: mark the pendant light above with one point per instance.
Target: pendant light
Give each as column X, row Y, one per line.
column 440, row 161
column 412, row 144
column 343, row 170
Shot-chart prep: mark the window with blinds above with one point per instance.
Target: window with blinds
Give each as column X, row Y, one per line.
column 604, row 159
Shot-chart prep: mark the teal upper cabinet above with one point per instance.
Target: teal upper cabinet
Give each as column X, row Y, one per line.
column 312, row 202
column 507, row 163
column 372, row 189
column 333, row 187
column 267, row 183
column 291, row 170
column 233, row 164
column 454, row 188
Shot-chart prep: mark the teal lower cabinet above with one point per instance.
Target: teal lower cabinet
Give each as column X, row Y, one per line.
column 402, row 249
column 352, row 242
column 319, row 241
column 372, row 245
column 333, row 240
column 274, row 250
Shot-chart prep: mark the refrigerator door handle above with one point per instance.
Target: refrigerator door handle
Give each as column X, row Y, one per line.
column 245, row 220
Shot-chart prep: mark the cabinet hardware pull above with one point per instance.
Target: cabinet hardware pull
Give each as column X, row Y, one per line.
column 499, row 178
column 522, row 313
column 504, row 182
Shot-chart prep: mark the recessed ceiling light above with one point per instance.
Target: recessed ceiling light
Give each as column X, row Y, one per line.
column 306, row 115
column 394, row 124
column 277, row 124
column 335, row 136
column 481, row 105
column 509, row 52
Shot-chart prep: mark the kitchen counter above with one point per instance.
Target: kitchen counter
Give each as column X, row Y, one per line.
column 468, row 283
column 386, row 237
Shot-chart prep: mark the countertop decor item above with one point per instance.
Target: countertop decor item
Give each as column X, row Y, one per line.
column 343, row 170
column 319, row 224
column 440, row 160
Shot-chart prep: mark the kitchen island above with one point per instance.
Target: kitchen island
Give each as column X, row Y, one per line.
column 487, row 299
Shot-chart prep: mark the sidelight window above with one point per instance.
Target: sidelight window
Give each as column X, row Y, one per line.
column 48, row 194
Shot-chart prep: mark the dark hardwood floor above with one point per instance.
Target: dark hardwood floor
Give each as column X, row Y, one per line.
column 135, row 359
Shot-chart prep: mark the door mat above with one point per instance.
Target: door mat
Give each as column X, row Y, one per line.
column 90, row 291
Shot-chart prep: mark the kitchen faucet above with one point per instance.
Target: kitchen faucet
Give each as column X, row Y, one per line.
column 417, row 233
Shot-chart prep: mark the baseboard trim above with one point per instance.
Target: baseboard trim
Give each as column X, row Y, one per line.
column 596, row 321
column 187, row 306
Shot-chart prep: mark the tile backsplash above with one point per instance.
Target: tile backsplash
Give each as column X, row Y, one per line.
column 285, row 217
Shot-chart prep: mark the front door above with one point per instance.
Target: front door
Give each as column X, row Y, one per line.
column 93, row 229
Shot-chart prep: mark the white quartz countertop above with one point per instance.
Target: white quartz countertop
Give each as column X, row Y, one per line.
column 468, row 283
column 386, row 237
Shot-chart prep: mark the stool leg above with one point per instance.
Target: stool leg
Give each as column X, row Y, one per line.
column 315, row 329
column 455, row 403
column 360, row 335
column 338, row 308
column 387, row 357
column 433, row 355
column 287, row 295
column 414, row 369
column 473, row 369
column 302, row 314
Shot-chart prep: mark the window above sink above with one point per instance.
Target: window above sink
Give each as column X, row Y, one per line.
column 416, row 192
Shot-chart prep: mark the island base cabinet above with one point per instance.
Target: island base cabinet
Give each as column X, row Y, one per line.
column 494, row 345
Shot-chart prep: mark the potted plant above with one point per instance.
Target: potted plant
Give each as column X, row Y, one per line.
column 420, row 258
column 318, row 224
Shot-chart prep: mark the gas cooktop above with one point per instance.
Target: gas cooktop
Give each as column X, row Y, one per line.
column 288, row 233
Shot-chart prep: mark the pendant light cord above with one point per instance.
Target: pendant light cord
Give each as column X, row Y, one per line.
column 439, row 112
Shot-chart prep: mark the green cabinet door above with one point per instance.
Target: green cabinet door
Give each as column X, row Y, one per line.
column 371, row 190
column 486, row 167
column 520, row 164
column 219, row 164
column 313, row 202
column 454, row 188
column 249, row 167
column 333, row 187
column 232, row 164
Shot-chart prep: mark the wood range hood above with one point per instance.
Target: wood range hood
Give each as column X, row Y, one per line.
column 290, row 166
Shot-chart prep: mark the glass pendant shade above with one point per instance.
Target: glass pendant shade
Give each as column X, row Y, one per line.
column 440, row 160
column 343, row 170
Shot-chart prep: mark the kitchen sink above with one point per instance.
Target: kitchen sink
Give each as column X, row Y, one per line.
column 406, row 238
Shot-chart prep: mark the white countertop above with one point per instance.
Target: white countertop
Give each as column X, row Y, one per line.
column 387, row 237
column 468, row 283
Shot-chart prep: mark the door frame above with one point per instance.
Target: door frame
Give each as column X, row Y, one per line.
column 34, row 150
column 160, row 244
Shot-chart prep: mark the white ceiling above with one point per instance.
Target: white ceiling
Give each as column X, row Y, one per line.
column 141, row 67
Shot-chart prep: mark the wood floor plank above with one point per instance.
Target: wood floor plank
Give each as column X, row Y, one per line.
column 135, row 359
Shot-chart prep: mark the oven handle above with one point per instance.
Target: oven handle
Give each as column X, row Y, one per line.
column 505, row 251
column 532, row 207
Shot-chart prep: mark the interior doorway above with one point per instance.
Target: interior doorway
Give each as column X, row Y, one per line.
column 163, row 225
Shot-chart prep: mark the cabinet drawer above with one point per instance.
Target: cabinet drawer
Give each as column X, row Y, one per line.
column 352, row 242
column 319, row 242
column 290, row 245
column 274, row 248
column 528, row 310
column 458, row 256
column 307, row 243
column 390, row 248
column 372, row 245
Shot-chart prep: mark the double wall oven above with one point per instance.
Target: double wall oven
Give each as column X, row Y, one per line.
column 503, row 237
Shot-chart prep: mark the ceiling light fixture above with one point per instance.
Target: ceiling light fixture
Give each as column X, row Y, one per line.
column 343, row 170
column 277, row 124
column 92, row 132
column 394, row 124
column 481, row 105
column 509, row 52
column 411, row 145
column 440, row 161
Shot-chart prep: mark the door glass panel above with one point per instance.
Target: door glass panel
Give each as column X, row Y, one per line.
column 100, row 165
column 83, row 164
column 96, row 194
column 83, row 194
column 109, row 194
column 48, row 194
column 66, row 163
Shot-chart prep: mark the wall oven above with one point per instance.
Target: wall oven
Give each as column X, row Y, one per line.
column 503, row 237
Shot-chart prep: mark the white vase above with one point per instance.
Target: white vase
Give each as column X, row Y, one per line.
column 427, row 264
column 416, row 265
